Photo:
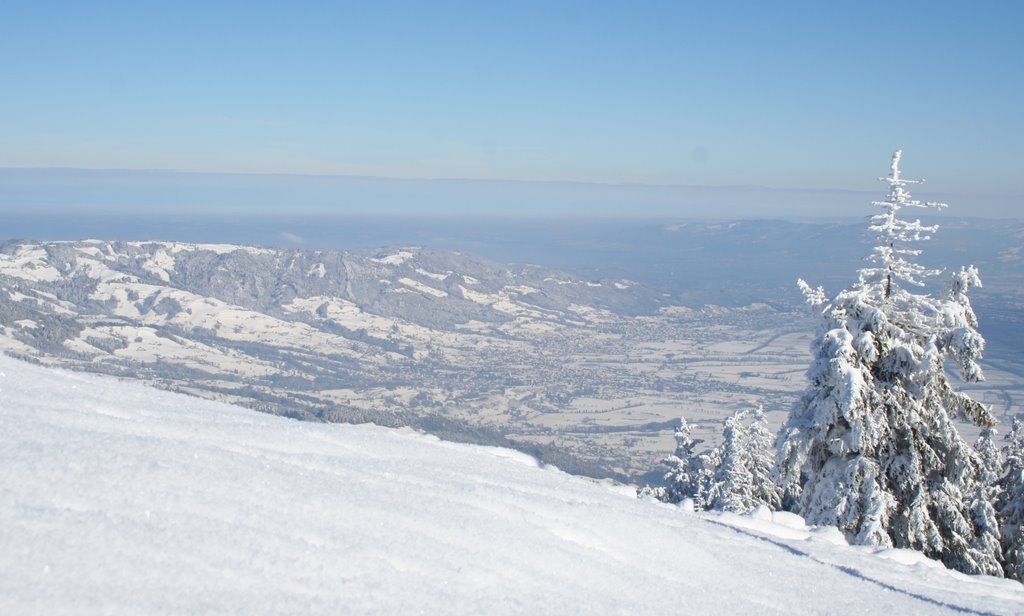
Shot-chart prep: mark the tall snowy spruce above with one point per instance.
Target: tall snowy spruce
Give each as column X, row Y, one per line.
column 742, row 478
column 983, row 503
column 1010, row 503
column 732, row 486
column 761, row 452
column 871, row 446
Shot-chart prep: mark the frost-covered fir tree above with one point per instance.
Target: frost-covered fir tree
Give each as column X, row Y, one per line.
column 983, row 511
column 684, row 468
column 762, row 462
column 1010, row 503
column 733, row 485
column 707, row 465
column 871, row 446
column 689, row 474
column 742, row 479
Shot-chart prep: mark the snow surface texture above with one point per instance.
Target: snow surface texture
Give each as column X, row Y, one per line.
column 115, row 498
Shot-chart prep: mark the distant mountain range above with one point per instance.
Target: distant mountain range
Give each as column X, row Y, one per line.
column 437, row 340
column 203, row 307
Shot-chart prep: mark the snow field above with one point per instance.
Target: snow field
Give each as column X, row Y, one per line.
column 121, row 499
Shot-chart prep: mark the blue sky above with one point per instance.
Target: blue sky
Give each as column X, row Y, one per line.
column 779, row 94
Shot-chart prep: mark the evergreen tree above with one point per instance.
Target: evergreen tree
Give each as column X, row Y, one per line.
column 871, row 446
column 983, row 511
column 743, row 466
column 760, row 444
column 684, row 468
column 733, row 486
column 1010, row 503
column 707, row 467
column 690, row 475
column 735, row 476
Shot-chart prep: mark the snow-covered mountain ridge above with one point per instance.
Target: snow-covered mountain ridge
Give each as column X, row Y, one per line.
column 459, row 346
column 591, row 374
column 123, row 499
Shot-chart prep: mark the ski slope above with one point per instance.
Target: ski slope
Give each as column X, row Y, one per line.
column 119, row 499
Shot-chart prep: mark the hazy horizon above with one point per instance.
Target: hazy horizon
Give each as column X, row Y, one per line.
column 665, row 108
column 161, row 192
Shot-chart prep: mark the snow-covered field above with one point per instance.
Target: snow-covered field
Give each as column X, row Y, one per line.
column 115, row 498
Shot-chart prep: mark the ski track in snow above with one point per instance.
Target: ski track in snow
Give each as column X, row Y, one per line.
column 115, row 498
column 852, row 571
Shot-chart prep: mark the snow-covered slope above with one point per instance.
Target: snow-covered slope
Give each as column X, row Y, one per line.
column 115, row 498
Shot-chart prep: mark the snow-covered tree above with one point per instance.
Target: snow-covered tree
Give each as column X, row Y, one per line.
column 707, row 466
column 762, row 462
column 689, row 474
column 983, row 511
column 871, row 446
column 684, row 468
column 743, row 475
column 733, row 485
column 735, row 476
column 1010, row 503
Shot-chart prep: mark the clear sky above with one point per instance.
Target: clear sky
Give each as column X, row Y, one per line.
column 780, row 94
